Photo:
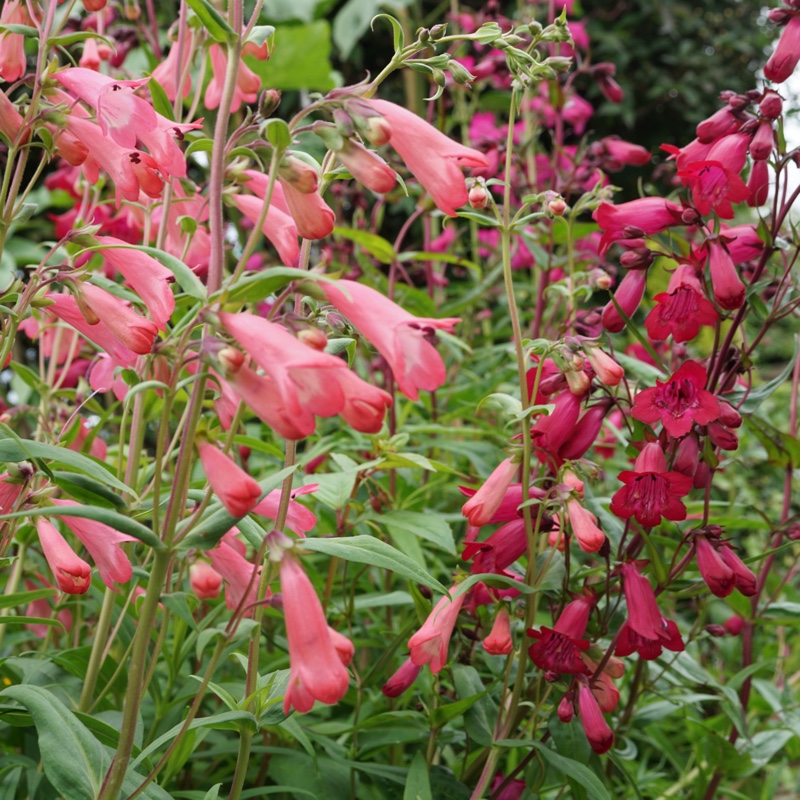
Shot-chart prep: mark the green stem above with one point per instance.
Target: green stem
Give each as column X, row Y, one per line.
column 98, row 647
column 11, row 586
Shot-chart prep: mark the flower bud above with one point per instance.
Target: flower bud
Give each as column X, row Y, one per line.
column 478, row 196
column 459, row 73
column 733, row 625
column 299, row 174
column 557, row 207
column 230, row 359
column 313, row 337
column 771, row 106
column 268, row 102
column 565, row 709
column 715, row 630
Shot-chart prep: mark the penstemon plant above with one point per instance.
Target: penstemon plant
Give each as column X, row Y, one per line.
column 265, row 357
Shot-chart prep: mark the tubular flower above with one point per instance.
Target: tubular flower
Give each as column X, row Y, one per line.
column 600, row 736
column 744, row 579
column 627, row 296
column 247, row 82
column 237, row 573
column 650, row 492
column 205, row 581
column 557, row 653
column 103, row 544
column 649, row 648
column 367, row 167
column 73, row 575
column 716, row 573
column 682, row 309
column 317, row 671
column 132, row 330
column 500, row 550
column 432, row 157
column 278, row 226
column 402, row 679
column 678, row 403
column 400, row 337
column 237, row 491
column 783, row 61
column 485, row 503
column 714, row 186
column 499, row 641
column 584, row 527
column 644, row 616
column 298, row 518
column 429, row 644
column 643, row 217
column 729, row 290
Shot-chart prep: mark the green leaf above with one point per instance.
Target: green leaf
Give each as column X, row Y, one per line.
column 352, row 22
column 160, row 100
column 67, row 39
column 568, row 767
column 269, row 281
column 427, row 525
column 757, row 396
column 13, row 450
column 398, row 37
column 301, row 59
column 418, row 784
column 73, row 760
column 216, row 25
column 372, row 551
column 87, row 490
column 278, row 134
column 492, row 578
column 23, row 620
column 481, row 717
column 23, row 598
column 187, row 280
column 375, row 245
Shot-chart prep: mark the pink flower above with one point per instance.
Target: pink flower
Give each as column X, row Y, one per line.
column 600, row 736
column 621, row 152
column 484, row 504
column 236, row 490
column 206, row 582
column 12, row 45
column 585, row 432
column 247, row 82
column 650, row 492
column 317, row 672
column 746, row 582
column 644, row 616
column 783, row 61
column 679, row 403
column 758, row 184
column 499, row 641
column 167, row 72
column 557, row 652
column 729, row 291
column 608, row 371
column 10, row 119
column 73, row 575
column 311, row 214
column 103, row 543
column 132, row 330
column 400, row 337
column 719, row 124
column 431, row 156
column 714, row 186
column 682, row 309
column 367, row 167
column 551, row 432
column 9, row 492
column 716, row 573
column 298, row 519
column 584, row 527
column 402, row 679
column 628, row 296
column 646, row 216
column 278, row 226
column 430, row 643
column 237, row 572
column 149, row 278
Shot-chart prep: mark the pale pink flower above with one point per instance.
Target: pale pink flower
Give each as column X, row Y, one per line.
column 279, row 227
column 367, row 167
column 499, row 641
column 237, row 572
column 12, row 45
column 236, row 490
column 103, row 544
column 205, row 581
column 311, row 214
column 432, row 157
column 399, row 336
column 73, row 575
column 430, row 643
column 298, row 518
column 317, row 671
column 484, row 504
column 10, row 119
column 134, row 331
column 166, row 73
column 247, row 82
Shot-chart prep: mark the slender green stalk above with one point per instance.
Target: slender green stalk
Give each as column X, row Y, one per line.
column 98, row 647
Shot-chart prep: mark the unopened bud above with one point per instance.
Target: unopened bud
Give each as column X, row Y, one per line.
column 535, row 28
column 771, row 106
column 230, row 359
column 557, row 207
column 313, row 337
column 638, row 258
column 439, row 78
column 478, row 196
column 268, row 102
column 715, row 630
column 733, row 625
column 559, row 64
column 423, row 35
column 601, row 280
column 459, row 73
column 437, row 31
column 299, row 174
column 565, row 709
column 689, row 216
column 376, row 131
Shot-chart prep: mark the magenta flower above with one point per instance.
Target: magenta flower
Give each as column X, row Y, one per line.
column 402, row 679
column 551, row 432
column 499, row 641
column 746, row 582
column 678, row 403
column 714, row 186
column 236, row 490
column 430, row 643
column 557, row 653
column 716, row 573
column 103, row 543
column 599, row 734
column 644, row 616
column 432, row 157
column 783, row 61
column 317, row 671
column 9, row 492
column 643, row 217
column 650, row 492
column 485, row 503
column 73, row 575
column 500, row 550
column 728, row 289
column 628, row 296
column 400, row 337
column 649, row 649
column 682, row 309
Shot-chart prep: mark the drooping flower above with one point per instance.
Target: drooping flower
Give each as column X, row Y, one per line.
column 484, row 504
column 499, row 641
column 729, row 290
column 649, row 649
column 240, row 585
column 102, row 542
column 432, row 157
column 236, row 490
column 167, row 72
column 317, row 671
column 716, row 573
column 402, row 679
column 73, row 575
column 645, row 216
column 132, row 330
column 679, row 403
column 650, row 491
column 586, row 431
column 400, row 337
column 367, row 167
column 247, row 82
column 278, row 226
column 508, row 543
column 783, row 61
column 644, row 616
column 430, row 643
column 12, row 45
column 627, row 296
column 599, row 734
column 746, row 582
column 551, row 432
column 9, row 492
column 584, row 527
column 298, row 518
column 682, row 309
column 558, row 650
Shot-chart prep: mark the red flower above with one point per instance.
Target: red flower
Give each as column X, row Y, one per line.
column 644, row 616
column 485, row 503
column 728, row 289
column 628, row 295
column 714, row 186
column 650, row 492
column 557, row 652
column 73, row 575
column 236, row 490
column 682, row 309
column 716, row 573
column 745, row 580
column 402, row 679
column 600, row 736
column 429, row 644
column 782, row 62
column 499, row 641
column 678, row 403
column 206, row 582
column 649, row 649
column 645, row 216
